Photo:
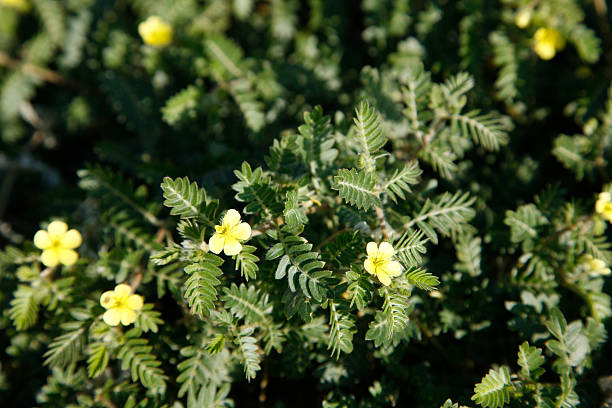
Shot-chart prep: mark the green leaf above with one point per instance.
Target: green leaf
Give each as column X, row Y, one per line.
column 294, row 214
column 488, row 130
column 596, row 333
column 341, row 330
column 200, row 287
column 255, row 188
column 136, row 355
column 524, row 222
column 530, row 359
column 573, row 152
column 304, row 267
column 401, row 180
column 24, row 307
column 390, row 324
column 247, row 303
column 115, row 189
column 571, row 345
column 416, row 93
column 246, row 261
column 422, row 279
column 494, row 389
column 506, row 58
column 587, row 43
column 225, row 57
column 200, row 368
column 449, row 404
column 67, row 348
column 249, row 351
column 447, row 214
column 360, row 289
column 98, row 359
column 441, row 159
column 468, row 250
column 184, row 197
column 251, row 108
column 217, row 344
column 556, row 324
column 183, row 106
column 275, row 251
column 410, row 248
column 148, row 319
column 356, row 188
column 317, row 141
column 369, row 128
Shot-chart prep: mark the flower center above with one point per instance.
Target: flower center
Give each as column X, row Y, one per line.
column 56, row 243
column 377, row 261
column 223, row 229
column 117, row 302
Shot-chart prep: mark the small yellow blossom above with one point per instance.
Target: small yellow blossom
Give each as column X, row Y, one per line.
column 379, row 262
column 594, row 267
column 522, row 17
column 546, row 42
column 436, row 294
column 603, row 205
column 121, row 305
column 21, row 5
column 229, row 234
column 155, row 31
column 58, row 244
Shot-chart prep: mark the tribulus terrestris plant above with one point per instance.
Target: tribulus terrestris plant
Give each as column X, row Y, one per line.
column 305, row 203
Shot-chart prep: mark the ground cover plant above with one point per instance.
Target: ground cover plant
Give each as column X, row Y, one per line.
column 303, row 203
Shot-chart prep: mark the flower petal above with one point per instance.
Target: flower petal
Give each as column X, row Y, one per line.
column 393, row 268
column 385, row 251
column 597, row 264
column 134, row 302
column 605, row 196
column 372, row 249
column 122, row 290
column 384, row 278
column 71, row 239
column 545, row 50
column 67, row 256
column 241, row 232
column 232, row 247
column 154, row 31
column 42, row 240
column 231, row 218
column 107, row 299
column 57, row 229
column 49, row 258
column 127, row 315
column 112, row 317
column 369, row 266
column 216, row 243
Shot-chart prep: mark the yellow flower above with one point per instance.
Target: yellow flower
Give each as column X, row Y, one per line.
column 594, row 267
column 522, row 17
column 547, row 41
column 58, row 244
column 21, row 5
column 379, row 262
column 121, row 305
column 229, row 234
column 155, row 31
column 603, row 205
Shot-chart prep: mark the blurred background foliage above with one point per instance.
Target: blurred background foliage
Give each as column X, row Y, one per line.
column 87, row 107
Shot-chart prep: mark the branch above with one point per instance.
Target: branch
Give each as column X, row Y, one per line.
column 38, row 72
